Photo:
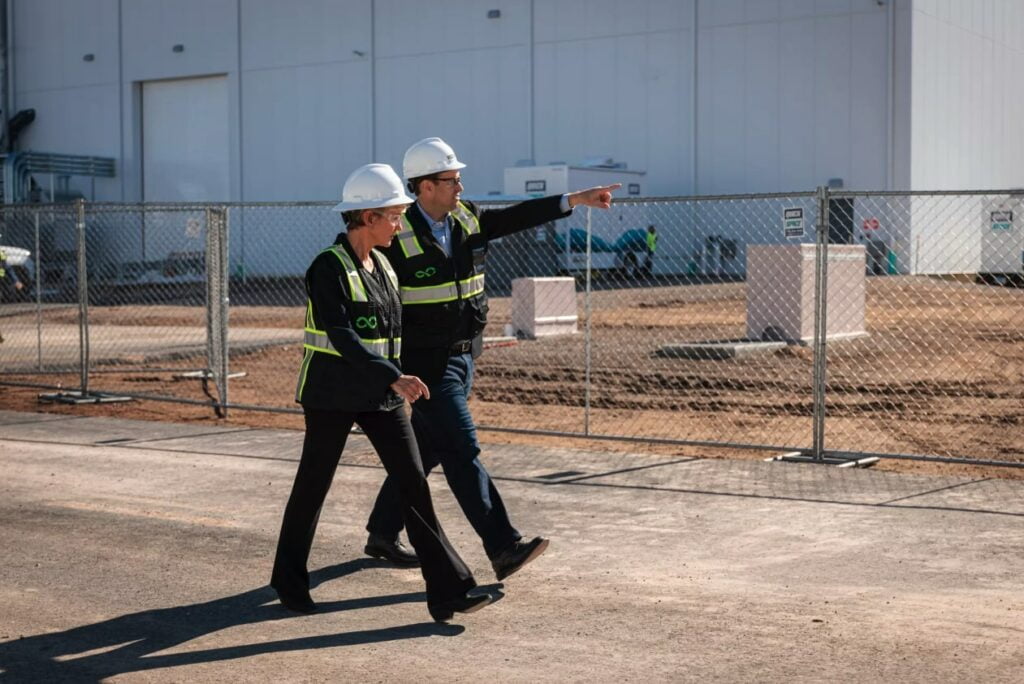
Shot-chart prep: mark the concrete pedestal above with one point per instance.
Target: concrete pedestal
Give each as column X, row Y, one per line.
column 780, row 292
column 544, row 306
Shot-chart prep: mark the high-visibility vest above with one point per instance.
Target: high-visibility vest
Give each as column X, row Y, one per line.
column 3, row 264
column 432, row 291
column 364, row 322
column 652, row 242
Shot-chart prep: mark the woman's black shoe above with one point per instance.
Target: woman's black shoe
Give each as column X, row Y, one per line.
column 298, row 604
column 443, row 612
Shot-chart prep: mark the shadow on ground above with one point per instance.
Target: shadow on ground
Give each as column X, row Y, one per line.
column 92, row 653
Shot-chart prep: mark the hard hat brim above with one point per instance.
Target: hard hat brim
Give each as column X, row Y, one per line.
column 402, row 199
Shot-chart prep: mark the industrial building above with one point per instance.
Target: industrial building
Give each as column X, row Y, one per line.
column 264, row 100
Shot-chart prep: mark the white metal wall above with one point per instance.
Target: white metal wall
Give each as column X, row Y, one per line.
column 774, row 95
column 967, row 100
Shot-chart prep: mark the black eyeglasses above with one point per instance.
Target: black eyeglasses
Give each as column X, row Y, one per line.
column 450, row 181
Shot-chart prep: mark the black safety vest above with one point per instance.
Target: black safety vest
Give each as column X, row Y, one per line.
column 364, row 321
column 443, row 298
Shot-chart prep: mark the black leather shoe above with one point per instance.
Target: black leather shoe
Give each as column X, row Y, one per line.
column 390, row 550
column 298, row 604
column 445, row 611
column 516, row 556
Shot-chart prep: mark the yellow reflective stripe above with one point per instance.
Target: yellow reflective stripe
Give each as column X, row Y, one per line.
column 447, row 292
column 303, row 370
column 429, row 294
column 388, row 270
column 317, row 340
column 355, row 283
column 471, row 287
column 408, row 240
column 470, row 224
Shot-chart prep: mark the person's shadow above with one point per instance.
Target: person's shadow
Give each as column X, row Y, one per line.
column 124, row 643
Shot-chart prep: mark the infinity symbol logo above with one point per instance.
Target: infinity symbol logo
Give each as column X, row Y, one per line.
column 427, row 272
column 364, row 322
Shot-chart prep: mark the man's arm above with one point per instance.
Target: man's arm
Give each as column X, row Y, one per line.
column 495, row 223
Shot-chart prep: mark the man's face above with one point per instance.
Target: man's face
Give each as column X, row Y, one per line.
column 384, row 224
column 445, row 189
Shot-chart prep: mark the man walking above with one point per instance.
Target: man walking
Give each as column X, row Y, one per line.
column 439, row 257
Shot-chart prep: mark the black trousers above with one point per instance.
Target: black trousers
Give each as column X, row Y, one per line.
column 391, row 434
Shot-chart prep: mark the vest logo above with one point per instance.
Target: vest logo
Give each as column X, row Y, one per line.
column 365, row 322
column 426, row 272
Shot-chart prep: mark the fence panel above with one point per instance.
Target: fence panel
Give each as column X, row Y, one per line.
column 940, row 371
column 670, row 343
column 662, row 342
column 39, row 311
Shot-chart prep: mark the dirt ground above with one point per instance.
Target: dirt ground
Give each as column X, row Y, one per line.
column 941, row 372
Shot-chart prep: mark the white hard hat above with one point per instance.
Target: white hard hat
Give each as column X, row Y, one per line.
column 429, row 156
column 373, row 186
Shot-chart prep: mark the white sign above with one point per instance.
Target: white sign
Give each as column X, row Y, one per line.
column 1001, row 220
column 793, row 222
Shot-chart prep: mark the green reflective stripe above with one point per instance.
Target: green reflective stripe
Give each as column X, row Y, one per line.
column 303, row 370
column 430, row 294
column 471, row 287
column 317, row 340
column 355, row 283
column 466, row 219
column 407, row 239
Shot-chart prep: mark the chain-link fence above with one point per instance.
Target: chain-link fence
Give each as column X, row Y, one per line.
column 829, row 322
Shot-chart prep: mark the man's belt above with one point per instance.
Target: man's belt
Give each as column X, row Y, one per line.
column 463, row 347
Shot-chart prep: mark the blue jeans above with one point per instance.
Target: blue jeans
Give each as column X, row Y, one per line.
column 446, row 434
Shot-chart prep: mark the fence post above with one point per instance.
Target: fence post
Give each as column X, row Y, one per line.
column 820, row 323
column 39, row 295
column 83, row 299
column 587, row 339
column 217, row 303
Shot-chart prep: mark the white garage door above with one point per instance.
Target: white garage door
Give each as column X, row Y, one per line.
column 185, row 140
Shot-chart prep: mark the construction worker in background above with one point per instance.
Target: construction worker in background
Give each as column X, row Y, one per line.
column 439, row 258
column 652, row 246
column 350, row 375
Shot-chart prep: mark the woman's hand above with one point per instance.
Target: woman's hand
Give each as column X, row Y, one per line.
column 410, row 388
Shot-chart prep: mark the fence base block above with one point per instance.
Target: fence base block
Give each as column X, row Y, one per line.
column 76, row 397
column 838, row 461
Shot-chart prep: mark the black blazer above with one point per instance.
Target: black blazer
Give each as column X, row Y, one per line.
column 358, row 380
column 430, row 330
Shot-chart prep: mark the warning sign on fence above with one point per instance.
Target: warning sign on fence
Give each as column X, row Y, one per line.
column 793, row 222
column 1001, row 220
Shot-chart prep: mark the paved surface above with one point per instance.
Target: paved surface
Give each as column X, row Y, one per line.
column 140, row 551
column 60, row 343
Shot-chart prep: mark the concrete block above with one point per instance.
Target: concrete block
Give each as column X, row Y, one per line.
column 780, row 292
column 544, row 306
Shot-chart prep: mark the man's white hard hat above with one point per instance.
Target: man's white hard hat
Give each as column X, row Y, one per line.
column 429, row 156
column 373, row 186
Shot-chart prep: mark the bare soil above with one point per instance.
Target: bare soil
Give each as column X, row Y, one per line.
column 940, row 373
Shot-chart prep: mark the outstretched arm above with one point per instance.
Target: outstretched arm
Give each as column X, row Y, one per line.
column 599, row 197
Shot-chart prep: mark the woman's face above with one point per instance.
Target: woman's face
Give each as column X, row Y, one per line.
column 384, row 224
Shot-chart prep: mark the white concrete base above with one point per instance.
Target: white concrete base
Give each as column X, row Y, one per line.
column 542, row 307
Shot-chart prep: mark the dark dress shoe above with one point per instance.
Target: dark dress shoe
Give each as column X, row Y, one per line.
column 516, row 556
column 390, row 550
column 298, row 604
column 445, row 611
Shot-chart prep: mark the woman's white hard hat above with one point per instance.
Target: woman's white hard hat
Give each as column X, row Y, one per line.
column 373, row 186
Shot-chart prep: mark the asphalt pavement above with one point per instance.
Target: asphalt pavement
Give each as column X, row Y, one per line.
column 137, row 551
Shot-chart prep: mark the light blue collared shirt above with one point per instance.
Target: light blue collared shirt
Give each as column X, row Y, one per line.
column 442, row 229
